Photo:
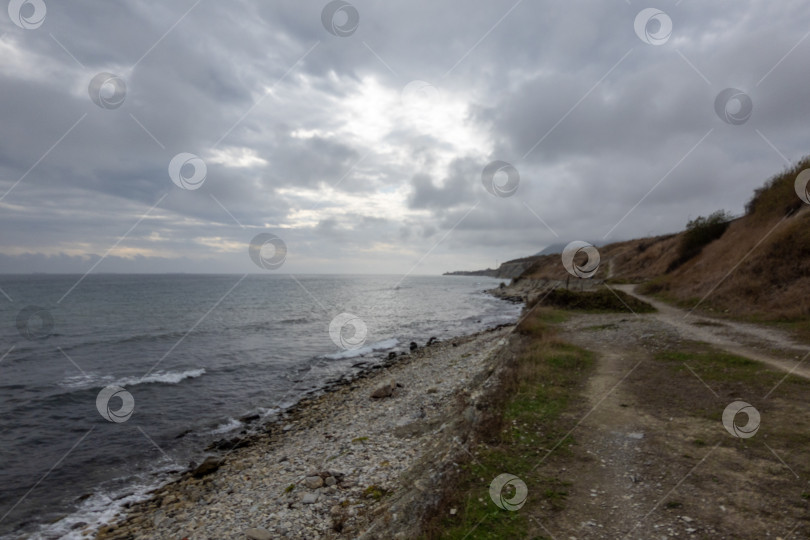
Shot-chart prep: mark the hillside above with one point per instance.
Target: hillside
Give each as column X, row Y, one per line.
column 758, row 266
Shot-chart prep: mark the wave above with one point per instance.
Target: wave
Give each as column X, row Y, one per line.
column 231, row 425
column 353, row 353
column 299, row 320
column 104, row 506
column 158, row 377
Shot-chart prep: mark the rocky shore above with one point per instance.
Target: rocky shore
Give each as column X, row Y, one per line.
column 361, row 461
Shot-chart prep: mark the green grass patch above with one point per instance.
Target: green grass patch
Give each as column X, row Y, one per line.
column 374, row 492
column 598, row 327
column 599, row 301
column 669, row 388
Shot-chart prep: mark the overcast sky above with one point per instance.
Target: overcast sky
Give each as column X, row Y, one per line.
column 359, row 133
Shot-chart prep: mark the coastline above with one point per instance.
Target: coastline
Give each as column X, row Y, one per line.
column 338, row 463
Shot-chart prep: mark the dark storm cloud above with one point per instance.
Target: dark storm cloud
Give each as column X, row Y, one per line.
column 305, row 133
column 457, row 188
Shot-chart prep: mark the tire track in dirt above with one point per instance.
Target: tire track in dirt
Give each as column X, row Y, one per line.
column 765, row 345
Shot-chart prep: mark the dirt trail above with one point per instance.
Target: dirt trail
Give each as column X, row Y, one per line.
column 766, row 345
column 651, row 459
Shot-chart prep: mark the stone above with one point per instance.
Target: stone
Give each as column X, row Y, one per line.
column 210, row 465
column 432, row 340
column 258, row 534
column 310, row 498
column 392, row 355
column 413, row 346
column 330, row 481
column 384, row 391
column 313, row 482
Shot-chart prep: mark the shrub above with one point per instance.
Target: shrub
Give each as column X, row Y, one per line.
column 602, row 300
column 700, row 232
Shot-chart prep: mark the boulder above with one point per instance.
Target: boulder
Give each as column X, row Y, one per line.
column 228, row 444
column 210, row 465
column 413, row 346
column 432, row 340
column 384, row 391
column 392, row 355
column 313, row 482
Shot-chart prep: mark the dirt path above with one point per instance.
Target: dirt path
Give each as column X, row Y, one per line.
column 766, row 345
column 651, row 458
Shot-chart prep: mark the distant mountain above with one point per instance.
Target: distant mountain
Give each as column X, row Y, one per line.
column 556, row 249
column 507, row 270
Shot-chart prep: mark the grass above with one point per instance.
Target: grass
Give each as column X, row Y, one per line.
column 598, row 327
column 720, row 366
column 374, row 492
column 537, row 386
column 800, row 329
column 599, row 301
column 731, row 378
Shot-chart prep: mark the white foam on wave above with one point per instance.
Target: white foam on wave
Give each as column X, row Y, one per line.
column 166, row 377
column 230, row 425
column 161, row 377
column 353, row 353
column 101, row 508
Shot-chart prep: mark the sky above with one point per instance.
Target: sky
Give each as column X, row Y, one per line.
column 367, row 137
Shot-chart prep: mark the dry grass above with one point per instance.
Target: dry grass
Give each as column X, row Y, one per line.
column 539, row 382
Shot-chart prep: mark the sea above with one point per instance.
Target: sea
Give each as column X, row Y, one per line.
column 110, row 384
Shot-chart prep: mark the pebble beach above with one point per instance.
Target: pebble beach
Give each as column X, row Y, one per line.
column 360, row 461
